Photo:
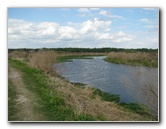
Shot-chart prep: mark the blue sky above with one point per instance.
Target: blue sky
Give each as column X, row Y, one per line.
column 83, row 27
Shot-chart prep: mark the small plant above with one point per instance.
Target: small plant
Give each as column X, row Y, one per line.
column 106, row 96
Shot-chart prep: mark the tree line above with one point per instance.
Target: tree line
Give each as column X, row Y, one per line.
column 99, row 50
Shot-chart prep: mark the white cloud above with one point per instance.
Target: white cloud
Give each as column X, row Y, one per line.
column 152, row 39
column 104, row 36
column 118, row 37
column 90, row 33
column 108, row 14
column 94, row 25
column 122, row 37
column 52, row 32
column 47, row 28
column 103, row 12
column 145, row 20
column 84, row 12
column 120, row 33
column 148, row 42
column 67, row 32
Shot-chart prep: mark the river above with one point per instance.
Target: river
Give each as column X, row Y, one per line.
column 132, row 83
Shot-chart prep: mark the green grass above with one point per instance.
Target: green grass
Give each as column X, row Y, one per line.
column 106, row 96
column 51, row 105
column 80, row 85
column 138, row 108
column 143, row 62
column 12, row 109
column 134, row 107
column 69, row 58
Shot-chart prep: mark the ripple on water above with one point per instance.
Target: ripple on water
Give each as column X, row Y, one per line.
column 125, row 80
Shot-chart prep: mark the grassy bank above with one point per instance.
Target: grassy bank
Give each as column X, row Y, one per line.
column 12, row 108
column 149, row 59
column 52, row 106
column 61, row 100
column 69, row 58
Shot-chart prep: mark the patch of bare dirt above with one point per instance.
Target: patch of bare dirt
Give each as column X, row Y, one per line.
column 25, row 100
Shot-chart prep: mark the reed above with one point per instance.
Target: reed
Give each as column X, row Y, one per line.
column 43, row 60
column 149, row 59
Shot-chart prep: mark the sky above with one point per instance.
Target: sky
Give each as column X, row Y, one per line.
column 83, row 27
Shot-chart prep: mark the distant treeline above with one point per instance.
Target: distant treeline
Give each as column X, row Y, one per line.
column 102, row 50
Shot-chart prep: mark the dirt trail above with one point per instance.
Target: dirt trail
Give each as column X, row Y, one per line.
column 25, row 100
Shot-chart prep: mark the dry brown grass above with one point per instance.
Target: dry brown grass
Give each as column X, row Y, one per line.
column 133, row 56
column 43, row 60
column 82, row 101
column 19, row 55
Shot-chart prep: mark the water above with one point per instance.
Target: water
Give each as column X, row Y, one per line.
column 125, row 80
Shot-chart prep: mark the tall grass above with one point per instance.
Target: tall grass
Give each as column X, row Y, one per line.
column 133, row 56
column 78, row 102
column 20, row 55
column 61, row 100
column 52, row 105
column 43, row 60
column 149, row 59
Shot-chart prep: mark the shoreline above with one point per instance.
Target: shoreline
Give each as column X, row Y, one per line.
column 85, row 103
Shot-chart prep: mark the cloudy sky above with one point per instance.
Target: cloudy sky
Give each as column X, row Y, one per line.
column 83, row 27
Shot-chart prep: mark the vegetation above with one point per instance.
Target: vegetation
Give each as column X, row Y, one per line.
column 138, row 57
column 69, row 58
column 12, row 108
column 61, row 100
column 106, row 96
column 53, row 107
column 149, row 59
column 84, row 50
column 139, row 108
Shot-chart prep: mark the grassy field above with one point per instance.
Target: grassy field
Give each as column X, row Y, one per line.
column 149, row 59
column 46, row 96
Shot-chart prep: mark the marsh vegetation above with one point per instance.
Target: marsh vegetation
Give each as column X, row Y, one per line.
column 57, row 99
column 149, row 59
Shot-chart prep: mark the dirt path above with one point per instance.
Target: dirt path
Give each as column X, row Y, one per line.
column 25, row 100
